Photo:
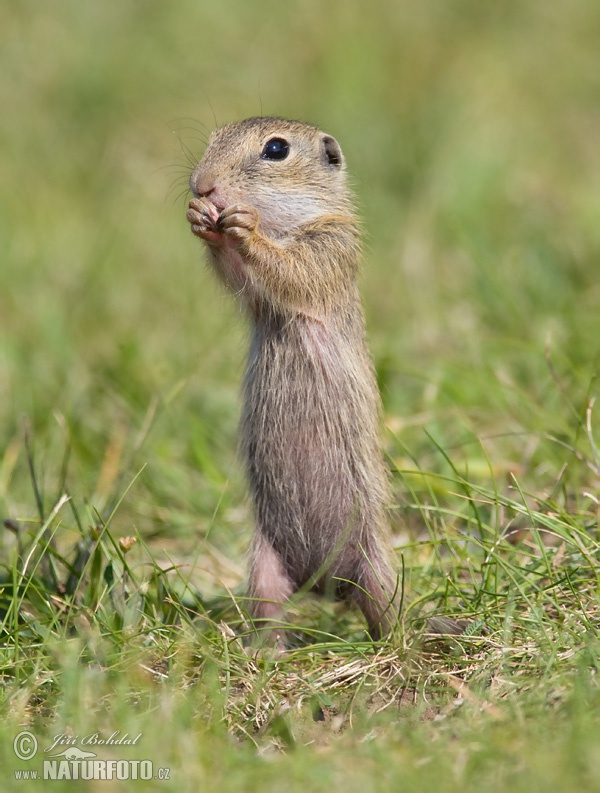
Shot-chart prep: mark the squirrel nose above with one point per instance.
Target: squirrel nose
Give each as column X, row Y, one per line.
column 200, row 189
column 199, row 193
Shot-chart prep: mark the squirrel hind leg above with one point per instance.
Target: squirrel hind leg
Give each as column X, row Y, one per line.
column 377, row 594
column 269, row 589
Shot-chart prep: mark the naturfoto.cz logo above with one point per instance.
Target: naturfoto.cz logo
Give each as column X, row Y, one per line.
column 65, row 759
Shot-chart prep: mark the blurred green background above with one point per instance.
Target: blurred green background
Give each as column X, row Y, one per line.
column 471, row 132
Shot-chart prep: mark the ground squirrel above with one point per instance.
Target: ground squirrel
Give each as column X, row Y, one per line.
column 273, row 205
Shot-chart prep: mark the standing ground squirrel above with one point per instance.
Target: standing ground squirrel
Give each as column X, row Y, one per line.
column 273, row 205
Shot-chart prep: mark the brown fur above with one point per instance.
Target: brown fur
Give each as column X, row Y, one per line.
column 284, row 237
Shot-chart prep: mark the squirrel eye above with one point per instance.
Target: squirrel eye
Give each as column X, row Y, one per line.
column 275, row 149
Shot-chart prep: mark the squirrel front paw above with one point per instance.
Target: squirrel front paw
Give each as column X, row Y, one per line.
column 203, row 217
column 238, row 223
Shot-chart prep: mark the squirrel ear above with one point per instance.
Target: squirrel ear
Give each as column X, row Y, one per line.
column 332, row 150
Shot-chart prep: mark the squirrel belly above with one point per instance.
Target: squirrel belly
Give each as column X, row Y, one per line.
column 308, row 425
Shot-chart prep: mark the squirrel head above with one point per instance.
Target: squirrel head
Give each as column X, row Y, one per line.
column 291, row 172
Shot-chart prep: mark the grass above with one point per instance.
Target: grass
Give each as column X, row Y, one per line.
column 470, row 134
